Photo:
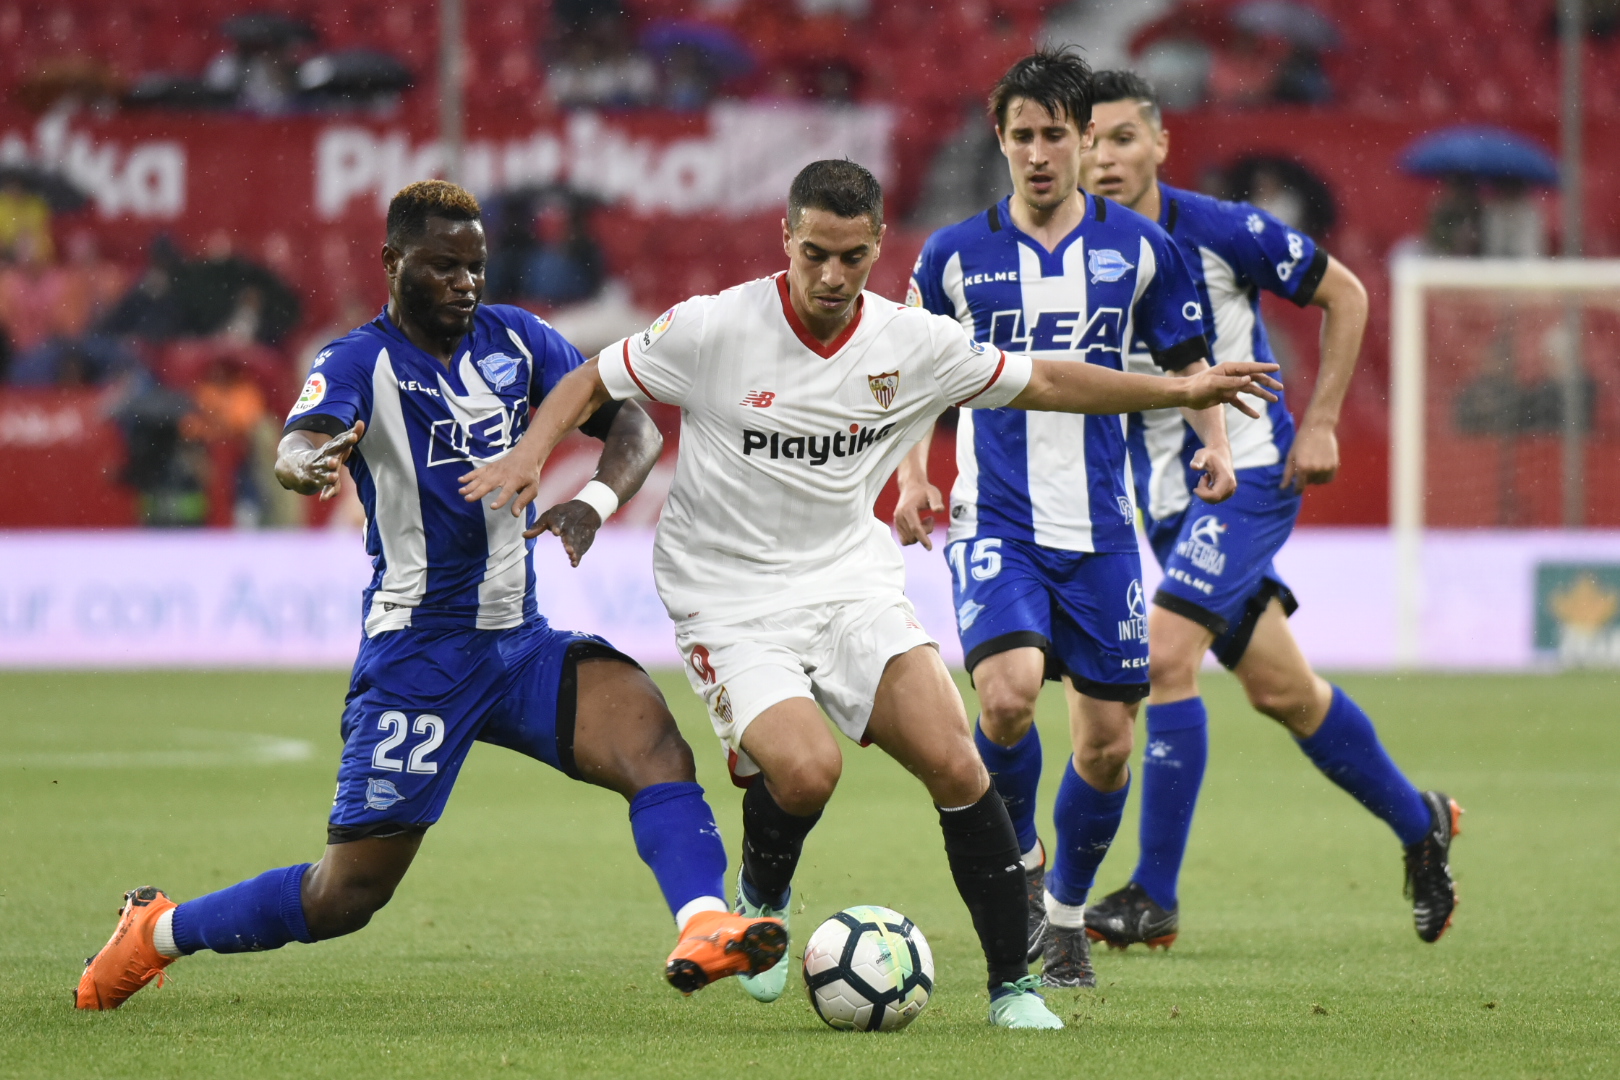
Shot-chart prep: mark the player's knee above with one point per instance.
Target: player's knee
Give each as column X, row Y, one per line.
column 1006, row 710
column 803, row 786
column 1173, row 674
column 1283, row 702
column 662, row 756
column 1106, row 751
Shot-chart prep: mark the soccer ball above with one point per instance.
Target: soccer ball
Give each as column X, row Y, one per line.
column 868, row 969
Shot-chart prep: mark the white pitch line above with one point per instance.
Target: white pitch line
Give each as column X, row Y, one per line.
column 249, row 750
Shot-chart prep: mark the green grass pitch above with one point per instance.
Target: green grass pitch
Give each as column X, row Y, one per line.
column 528, row 939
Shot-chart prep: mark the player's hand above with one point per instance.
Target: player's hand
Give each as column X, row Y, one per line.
column 1223, row 383
column 1219, row 481
column 1314, row 459
column 318, row 469
column 516, row 482
column 914, row 514
column 575, row 524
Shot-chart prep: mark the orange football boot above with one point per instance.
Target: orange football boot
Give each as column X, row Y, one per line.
column 720, row 943
column 129, row 960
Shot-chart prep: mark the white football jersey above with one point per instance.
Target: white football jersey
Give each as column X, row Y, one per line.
column 786, row 443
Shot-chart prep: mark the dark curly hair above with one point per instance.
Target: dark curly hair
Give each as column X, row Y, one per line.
column 1055, row 79
column 410, row 208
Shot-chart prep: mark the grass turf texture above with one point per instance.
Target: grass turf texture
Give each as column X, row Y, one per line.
column 528, row 939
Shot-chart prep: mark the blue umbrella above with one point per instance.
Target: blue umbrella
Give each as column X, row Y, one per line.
column 1491, row 153
column 726, row 52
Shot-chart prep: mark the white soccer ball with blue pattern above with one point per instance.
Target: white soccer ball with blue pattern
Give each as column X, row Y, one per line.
column 868, row 969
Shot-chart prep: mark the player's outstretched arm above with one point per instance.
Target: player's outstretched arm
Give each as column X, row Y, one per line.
column 1064, row 386
column 517, row 474
column 920, row 501
column 308, row 462
column 1314, row 458
column 1214, row 458
column 629, row 452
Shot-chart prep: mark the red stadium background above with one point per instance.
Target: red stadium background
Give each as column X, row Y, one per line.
column 304, row 193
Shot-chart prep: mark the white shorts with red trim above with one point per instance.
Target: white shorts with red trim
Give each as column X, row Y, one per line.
column 834, row 654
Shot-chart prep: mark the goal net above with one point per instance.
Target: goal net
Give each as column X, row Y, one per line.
column 1505, row 413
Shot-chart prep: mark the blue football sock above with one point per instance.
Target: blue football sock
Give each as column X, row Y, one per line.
column 260, row 913
column 1016, row 770
column 1086, row 821
column 1347, row 750
column 677, row 838
column 1172, row 770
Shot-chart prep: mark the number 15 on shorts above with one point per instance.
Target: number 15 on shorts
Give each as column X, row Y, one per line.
column 983, row 563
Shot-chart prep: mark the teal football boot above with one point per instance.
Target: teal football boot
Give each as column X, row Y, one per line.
column 767, row 985
column 1021, row 1007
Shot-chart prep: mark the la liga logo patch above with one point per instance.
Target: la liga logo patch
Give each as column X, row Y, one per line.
column 313, row 393
column 656, row 330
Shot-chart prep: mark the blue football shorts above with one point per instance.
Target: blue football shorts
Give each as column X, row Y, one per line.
column 1217, row 560
column 419, row 699
column 1085, row 610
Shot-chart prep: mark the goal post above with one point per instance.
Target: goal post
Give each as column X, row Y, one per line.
column 1561, row 290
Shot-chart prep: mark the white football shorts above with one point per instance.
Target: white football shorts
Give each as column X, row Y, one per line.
column 832, row 653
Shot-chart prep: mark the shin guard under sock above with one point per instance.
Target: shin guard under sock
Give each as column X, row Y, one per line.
column 260, row 913
column 1086, row 820
column 773, row 839
column 982, row 848
column 1172, row 771
column 678, row 840
column 1347, row 750
column 1016, row 772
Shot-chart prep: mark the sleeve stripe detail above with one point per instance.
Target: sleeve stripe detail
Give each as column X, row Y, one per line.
column 632, row 372
column 1182, row 353
column 1000, row 366
column 1311, row 279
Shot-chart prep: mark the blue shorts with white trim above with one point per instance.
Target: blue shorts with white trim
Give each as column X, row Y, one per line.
column 1217, row 560
column 419, row 699
column 1085, row 610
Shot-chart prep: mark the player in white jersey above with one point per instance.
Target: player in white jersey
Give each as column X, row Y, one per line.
column 1221, row 590
column 799, row 394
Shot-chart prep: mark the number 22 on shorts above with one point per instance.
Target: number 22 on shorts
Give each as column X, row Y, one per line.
column 983, row 564
column 394, row 723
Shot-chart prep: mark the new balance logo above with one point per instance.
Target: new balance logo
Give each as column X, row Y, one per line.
column 759, row 399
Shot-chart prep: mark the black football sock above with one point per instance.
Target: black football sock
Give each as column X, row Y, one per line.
column 772, row 841
column 982, row 847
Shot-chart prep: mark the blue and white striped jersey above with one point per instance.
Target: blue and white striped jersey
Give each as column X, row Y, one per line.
column 438, row 561
column 1056, row 479
column 1234, row 250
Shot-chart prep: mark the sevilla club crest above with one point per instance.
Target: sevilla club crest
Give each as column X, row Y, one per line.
column 884, row 387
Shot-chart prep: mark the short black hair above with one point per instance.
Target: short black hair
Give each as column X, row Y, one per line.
column 1109, row 86
column 1055, row 79
column 839, row 186
column 410, row 208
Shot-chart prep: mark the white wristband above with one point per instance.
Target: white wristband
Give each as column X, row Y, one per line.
column 599, row 497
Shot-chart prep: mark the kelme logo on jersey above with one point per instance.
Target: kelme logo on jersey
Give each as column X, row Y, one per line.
column 884, row 387
column 1106, row 264
column 313, row 393
column 816, row 449
column 500, row 370
column 656, row 330
column 1202, row 547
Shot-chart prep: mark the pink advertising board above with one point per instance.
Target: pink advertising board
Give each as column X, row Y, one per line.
column 127, row 599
